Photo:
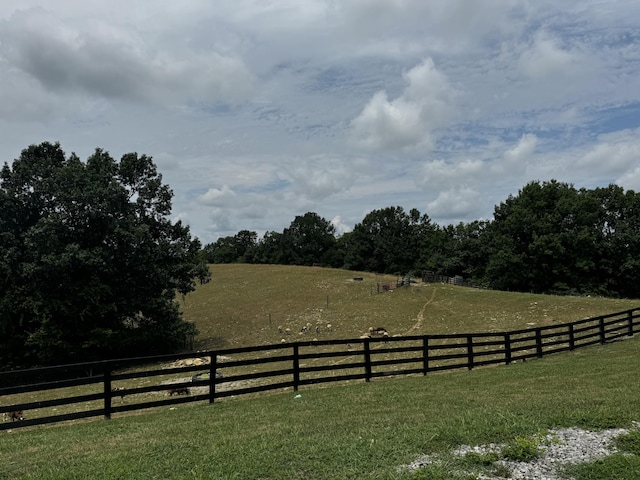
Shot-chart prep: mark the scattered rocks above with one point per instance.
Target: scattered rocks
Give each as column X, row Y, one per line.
column 558, row 448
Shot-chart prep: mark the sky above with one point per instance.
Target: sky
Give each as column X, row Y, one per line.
column 258, row 111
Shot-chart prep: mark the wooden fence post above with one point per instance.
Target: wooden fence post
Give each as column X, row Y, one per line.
column 572, row 338
column 107, row 392
column 630, row 322
column 213, row 369
column 602, row 332
column 470, row 352
column 296, row 367
column 507, row 348
column 367, row 360
column 538, row 342
column 425, row 355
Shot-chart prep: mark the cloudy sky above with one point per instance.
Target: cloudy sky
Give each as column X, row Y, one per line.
column 256, row 111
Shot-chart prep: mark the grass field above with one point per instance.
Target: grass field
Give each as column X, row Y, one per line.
column 360, row 430
column 244, row 305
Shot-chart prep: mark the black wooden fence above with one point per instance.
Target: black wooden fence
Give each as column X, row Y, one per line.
column 100, row 389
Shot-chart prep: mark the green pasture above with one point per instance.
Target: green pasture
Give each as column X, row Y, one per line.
column 357, row 430
column 244, row 305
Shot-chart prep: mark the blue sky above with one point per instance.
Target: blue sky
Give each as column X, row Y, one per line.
column 257, row 111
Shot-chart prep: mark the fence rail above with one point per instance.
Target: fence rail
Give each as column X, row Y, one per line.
column 70, row 392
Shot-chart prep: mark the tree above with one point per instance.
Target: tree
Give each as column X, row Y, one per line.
column 90, row 264
column 544, row 240
column 231, row 249
column 308, row 240
column 388, row 241
column 460, row 250
column 244, row 241
column 268, row 250
column 221, row 251
column 617, row 227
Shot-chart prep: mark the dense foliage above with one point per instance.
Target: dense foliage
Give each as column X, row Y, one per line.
column 90, row 266
column 550, row 238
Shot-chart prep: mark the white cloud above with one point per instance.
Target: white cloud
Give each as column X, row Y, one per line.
column 545, row 57
column 260, row 111
column 517, row 158
column 439, row 174
column 614, row 153
column 523, row 150
column 115, row 62
column 219, row 197
column 340, row 227
column 319, row 182
column 455, row 203
column 630, row 180
column 409, row 120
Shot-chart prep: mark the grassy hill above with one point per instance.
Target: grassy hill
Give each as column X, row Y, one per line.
column 361, row 430
column 245, row 305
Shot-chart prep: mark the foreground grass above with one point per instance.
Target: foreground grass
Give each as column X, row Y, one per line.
column 357, row 431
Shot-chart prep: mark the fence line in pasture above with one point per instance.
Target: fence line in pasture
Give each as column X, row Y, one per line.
column 101, row 389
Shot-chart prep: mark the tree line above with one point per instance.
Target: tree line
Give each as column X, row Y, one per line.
column 549, row 238
column 91, row 267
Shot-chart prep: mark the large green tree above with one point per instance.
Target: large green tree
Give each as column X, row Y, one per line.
column 231, row 249
column 617, row 228
column 90, row 265
column 544, row 240
column 389, row 240
column 308, row 240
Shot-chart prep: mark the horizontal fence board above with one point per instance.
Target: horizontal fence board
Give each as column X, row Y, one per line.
column 338, row 378
column 52, row 419
column 158, row 372
column 328, row 368
column 212, row 375
column 256, row 389
column 38, row 387
column 53, row 403
column 255, row 361
column 159, row 403
column 395, row 361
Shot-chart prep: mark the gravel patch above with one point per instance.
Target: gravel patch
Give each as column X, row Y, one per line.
column 559, row 447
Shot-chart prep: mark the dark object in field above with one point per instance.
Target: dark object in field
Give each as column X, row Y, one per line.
column 14, row 416
column 118, row 391
column 179, row 391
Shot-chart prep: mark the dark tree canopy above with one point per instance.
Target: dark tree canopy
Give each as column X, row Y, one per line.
column 90, row 265
column 553, row 238
column 388, row 241
column 308, row 240
column 231, row 249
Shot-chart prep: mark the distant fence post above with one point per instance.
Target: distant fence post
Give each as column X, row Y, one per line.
column 572, row 338
column 213, row 368
column 425, row 355
column 630, row 322
column 602, row 333
column 367, row 360
column 470, row 352
column 107, row 392
column 538, row 342
column 296, row 367
column 507, row 348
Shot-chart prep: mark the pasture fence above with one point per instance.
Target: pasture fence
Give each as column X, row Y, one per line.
column 76, row 391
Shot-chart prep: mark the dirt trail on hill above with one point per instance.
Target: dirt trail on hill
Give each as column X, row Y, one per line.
column 416, row 326
column 420, row 317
